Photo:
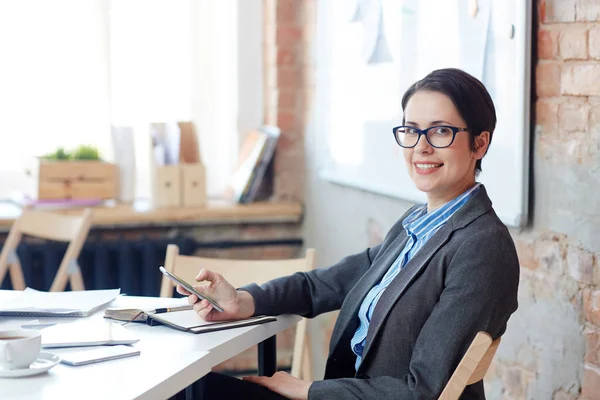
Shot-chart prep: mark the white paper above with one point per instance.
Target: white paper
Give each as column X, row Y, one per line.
column 60, row 303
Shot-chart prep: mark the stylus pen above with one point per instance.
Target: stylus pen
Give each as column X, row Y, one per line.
column 169, row 309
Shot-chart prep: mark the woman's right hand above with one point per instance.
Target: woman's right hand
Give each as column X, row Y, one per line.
column 235, row 304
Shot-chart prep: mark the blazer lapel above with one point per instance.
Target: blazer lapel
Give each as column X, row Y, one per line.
column 347, row 321
column 478, row 205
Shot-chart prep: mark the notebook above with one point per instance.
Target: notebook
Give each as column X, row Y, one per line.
column 34, row 303
column 139, row 315
column 187, row 320
column 86, row 333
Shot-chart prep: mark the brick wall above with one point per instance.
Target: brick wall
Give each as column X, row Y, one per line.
column 289, row 76
column 553, row 346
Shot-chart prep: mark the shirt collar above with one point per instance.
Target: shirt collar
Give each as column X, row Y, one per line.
column 419, row 222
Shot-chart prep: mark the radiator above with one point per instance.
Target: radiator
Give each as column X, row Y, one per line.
column 129, row 264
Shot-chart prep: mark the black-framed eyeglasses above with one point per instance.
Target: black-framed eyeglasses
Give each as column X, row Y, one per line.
column 437, row 136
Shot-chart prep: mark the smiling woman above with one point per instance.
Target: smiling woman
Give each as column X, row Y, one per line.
column 447, row 162
column 410, row 306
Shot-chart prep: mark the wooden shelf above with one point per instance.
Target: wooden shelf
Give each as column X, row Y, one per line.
column 141, row 214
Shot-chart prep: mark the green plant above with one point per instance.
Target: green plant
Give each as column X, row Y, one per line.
column 59, row 154
column 86, row 153
column 83, row 152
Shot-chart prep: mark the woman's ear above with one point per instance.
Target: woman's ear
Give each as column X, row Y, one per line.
column 482, row 141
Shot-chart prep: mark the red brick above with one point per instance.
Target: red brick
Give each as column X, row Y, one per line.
column 286, row 121
column 547, row 44
column 591, row 306
column 588, row 10
column 287, row 99
column 288, row 57
column 289, row 11
column 559, row 11
column 547, row 79
column 546, row 115
column 573, row 117
column 542, row 10
column 580, row 80
column 591, row 382
column 289, row 36
column 594, row 43
column 573, row 43
column 291, row 78
column 592, row 345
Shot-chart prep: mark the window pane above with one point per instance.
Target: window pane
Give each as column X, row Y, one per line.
column 53, row 81
column 150, row 61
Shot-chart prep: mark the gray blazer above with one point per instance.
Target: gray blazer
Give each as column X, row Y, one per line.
column 464, row 280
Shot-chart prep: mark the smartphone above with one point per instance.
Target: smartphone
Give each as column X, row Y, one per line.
column 104, row 353
column 189, row 288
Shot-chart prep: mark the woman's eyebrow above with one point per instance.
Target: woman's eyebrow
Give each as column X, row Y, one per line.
column 432, row 123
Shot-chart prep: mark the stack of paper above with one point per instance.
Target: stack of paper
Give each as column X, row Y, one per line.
column 33, row 303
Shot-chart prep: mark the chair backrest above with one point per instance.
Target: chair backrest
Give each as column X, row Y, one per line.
column 240, row 273
column 472, row 367
column 51, row 226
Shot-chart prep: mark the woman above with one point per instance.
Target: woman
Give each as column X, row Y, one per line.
column 409, row 307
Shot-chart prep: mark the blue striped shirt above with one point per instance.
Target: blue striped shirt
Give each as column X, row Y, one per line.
column 420, row 226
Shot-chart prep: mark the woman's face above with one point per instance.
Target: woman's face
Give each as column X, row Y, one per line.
column 442, row 174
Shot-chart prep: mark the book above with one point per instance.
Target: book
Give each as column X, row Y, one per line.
column 253, row 147
column 266, row 157
column 34, row 303
column 183, row 319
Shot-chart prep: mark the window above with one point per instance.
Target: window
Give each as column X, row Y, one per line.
column 73, row 68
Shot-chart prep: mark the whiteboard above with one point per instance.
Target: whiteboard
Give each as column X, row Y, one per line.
column 370, row 51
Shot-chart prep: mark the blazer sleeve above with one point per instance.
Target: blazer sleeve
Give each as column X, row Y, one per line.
column 480, row 295
column 311, row 293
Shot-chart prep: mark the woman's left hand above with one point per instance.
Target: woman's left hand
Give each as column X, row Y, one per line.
column 284, row 384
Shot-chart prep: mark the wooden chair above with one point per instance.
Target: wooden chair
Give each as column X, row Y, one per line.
column 45, row 225
column 472, row 367
column 240, row 273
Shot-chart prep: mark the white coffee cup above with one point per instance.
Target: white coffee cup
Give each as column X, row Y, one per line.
column 19, row 348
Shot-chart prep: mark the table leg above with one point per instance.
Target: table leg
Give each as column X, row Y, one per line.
column 267, row 356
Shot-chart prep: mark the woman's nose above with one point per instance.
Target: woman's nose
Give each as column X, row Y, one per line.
column 423, row 146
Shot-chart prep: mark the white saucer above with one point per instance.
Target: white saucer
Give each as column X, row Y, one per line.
column 44, row 362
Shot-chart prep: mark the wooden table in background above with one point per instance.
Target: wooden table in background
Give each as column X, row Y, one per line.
column 141, row 214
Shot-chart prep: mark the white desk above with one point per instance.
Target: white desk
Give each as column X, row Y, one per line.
column 169, row 362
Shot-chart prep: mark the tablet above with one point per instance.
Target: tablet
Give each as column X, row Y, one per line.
column 91, row 332
column 94, row 355
column 189, row 288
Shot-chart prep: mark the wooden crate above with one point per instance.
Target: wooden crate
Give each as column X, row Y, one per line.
column 77, row 180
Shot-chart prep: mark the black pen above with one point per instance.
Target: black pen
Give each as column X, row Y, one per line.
column 169, row 309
